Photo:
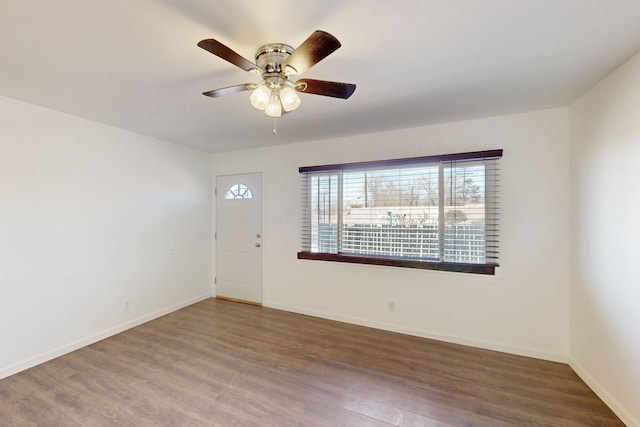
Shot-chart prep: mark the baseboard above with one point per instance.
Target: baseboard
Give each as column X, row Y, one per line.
column 487, row 345
column 603, row 394
column 73, row 346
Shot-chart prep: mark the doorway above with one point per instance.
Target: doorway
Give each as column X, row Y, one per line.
column 239, row 237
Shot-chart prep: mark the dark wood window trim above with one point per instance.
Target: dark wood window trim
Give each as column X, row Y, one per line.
column 488, row 269
column 404, row 161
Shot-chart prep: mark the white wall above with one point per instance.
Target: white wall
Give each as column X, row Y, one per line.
column 524, row 310
column 88, row 217
column 605, row 295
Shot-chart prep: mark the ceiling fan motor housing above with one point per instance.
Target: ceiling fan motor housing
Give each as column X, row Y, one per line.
column 271, row 56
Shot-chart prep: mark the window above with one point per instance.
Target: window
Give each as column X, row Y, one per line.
column 239, row 191
column 436, row 212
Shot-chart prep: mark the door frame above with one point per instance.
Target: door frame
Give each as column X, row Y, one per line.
column 215, row 241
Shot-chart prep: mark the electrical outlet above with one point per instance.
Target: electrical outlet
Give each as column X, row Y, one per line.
column 126, row 305
column 391, row 306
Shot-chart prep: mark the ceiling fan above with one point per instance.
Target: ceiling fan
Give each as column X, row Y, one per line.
column 276, row 63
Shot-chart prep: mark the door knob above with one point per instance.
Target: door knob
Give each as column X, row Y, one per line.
column 258, row 235
column 257, row 245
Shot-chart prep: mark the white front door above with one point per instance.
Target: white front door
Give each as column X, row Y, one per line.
column 239, row 237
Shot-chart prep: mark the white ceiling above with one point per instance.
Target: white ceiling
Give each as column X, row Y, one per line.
column 135, row 64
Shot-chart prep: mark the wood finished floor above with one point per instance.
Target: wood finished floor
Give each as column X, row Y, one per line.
column 220, row 363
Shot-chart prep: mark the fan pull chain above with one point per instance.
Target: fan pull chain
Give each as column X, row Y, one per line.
column 275, row 126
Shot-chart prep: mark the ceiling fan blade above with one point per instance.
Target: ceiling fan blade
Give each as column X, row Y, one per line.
column 314, row 49
column 229, row 90
column 222, row 51
column 323, row 87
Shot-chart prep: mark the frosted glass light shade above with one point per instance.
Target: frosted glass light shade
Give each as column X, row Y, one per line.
column 260, row 97
column 274, row 108
column 289, row 98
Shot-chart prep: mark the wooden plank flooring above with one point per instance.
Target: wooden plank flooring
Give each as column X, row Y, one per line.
column 220, row 363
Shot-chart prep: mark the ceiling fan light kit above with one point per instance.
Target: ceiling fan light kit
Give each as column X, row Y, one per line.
column 289, row 98
column 275, row 63
column 260, row 97
column 274, row 109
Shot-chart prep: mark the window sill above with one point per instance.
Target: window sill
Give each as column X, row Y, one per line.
column 488, row 269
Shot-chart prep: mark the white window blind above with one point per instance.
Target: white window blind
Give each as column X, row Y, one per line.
column 436, row 211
